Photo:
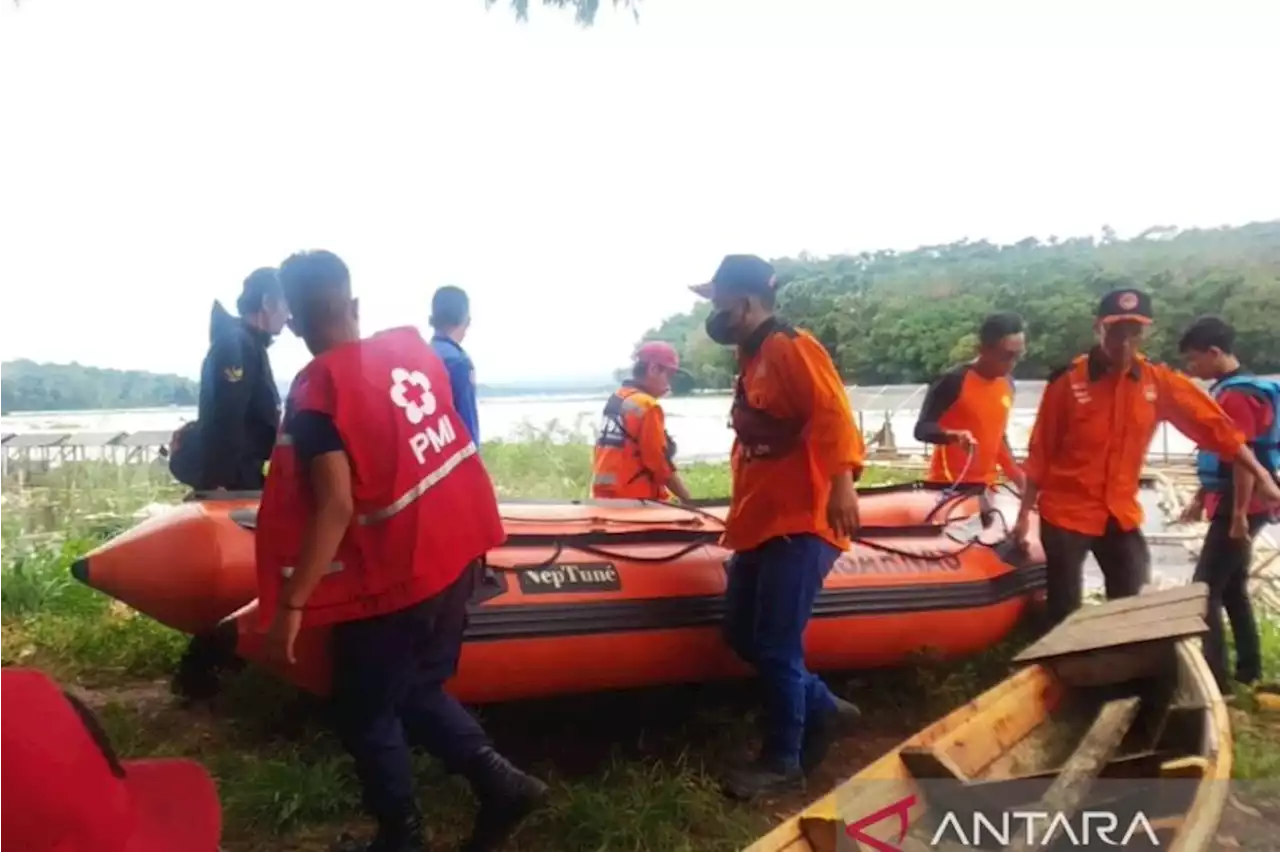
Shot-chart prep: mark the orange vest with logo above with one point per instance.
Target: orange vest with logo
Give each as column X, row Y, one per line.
column 425, row 507
column 618, row 470
column 982, row 408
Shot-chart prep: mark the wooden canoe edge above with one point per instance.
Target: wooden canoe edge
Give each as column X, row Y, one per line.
column 807, row 830
column 1168, row 615
column 1200, row 828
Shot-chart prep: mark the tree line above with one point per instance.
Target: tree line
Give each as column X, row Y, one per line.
column 28, row 386
column 891, row 317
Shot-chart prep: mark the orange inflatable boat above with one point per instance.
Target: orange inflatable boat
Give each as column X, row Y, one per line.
column 618, row 593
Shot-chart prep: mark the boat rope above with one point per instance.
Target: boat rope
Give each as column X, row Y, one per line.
column 959, row 480
column 870, row 544
column 950, row 496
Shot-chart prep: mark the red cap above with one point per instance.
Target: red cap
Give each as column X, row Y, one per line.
column 67, row 792
column 658, row 352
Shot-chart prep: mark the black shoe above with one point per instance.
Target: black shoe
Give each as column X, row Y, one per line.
column 506, row 796
column 403, row 835
column 207, row 656
column 820, row 734
column 1246, row 677
column 763, row 778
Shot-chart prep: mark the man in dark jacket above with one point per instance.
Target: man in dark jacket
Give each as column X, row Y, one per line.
column 239, row 415
column 239, row 400
column 450, row 318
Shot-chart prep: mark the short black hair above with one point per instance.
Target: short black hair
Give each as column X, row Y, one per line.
column 996, row 327
column 261, row 286
column 313, row 282
column 449, row 308
column 1208, row 332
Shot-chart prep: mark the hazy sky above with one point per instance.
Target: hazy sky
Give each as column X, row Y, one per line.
column 575, row 181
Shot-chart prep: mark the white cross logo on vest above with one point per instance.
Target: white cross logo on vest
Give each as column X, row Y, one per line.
column 411, row 391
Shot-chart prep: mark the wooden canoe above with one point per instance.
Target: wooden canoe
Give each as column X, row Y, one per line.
column 1118, row 691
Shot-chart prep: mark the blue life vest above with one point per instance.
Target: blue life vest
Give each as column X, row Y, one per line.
column 1214, row 474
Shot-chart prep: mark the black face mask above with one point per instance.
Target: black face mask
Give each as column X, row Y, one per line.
column 720, row 328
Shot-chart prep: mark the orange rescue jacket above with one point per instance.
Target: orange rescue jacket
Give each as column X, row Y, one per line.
column 634, row 455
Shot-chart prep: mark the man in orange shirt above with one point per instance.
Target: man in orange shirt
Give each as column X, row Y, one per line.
column 966, row 411
column 1088, row 447
column 796, row 455
column 634, row 456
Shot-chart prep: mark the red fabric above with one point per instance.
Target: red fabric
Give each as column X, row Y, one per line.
column 1252, row 415
column 60, row 794
column 660, row 353
column 390, row 399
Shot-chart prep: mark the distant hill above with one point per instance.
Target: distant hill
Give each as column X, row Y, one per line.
column 902, row 317
column 28, row 386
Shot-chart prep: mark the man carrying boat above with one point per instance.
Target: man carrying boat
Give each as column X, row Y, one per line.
column 966, row 411
column 1227, row 494
column 634, row 454
column 796, row 455
column 375, row 517
column 1088, row 447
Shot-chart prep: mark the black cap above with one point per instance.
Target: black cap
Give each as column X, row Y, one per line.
column 1126, row 304
column 739, row 275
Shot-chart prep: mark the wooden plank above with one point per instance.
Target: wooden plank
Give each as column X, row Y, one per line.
column 992, row 797
column 1094, row 639
column 1191, row 766
column 930, row 764
column 1145, row 600
column 1110, row 666
column 1190, row 608
column 997, row 727
column 1095, row 751
column 1142, row 764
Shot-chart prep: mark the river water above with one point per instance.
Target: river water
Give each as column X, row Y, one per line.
column 699, row 423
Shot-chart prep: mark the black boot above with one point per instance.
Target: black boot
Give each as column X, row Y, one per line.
column 208, row 655
column 506, row 796
column 403, row 834
column 764, row 777
column 821, row 733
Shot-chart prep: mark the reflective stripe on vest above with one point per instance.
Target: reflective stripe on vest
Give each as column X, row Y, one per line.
column 406, row 499
column 615, row 437
column 613, row 430
column 425, row 507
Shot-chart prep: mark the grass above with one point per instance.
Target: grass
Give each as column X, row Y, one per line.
column 629, row 771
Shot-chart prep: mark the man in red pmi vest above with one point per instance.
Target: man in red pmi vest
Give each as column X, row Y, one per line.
column 374, row 519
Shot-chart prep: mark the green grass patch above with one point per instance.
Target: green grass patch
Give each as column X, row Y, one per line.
column 629, row 771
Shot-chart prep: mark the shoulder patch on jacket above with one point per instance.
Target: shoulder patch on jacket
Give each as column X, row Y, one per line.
column 1056, row 373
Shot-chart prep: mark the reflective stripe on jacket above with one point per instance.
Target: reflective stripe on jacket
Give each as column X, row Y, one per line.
column 634, row 454
column 424, row 505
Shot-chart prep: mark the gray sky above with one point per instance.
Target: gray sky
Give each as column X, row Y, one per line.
column 575, row 181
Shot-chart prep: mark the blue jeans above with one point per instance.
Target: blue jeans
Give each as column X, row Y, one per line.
column 770, row 595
